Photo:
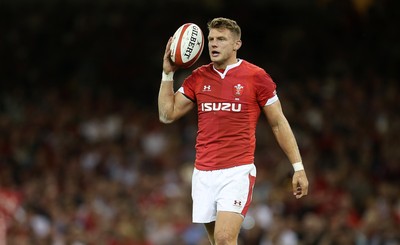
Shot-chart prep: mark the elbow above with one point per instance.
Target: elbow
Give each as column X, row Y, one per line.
column 165, row 120
column 164, row 117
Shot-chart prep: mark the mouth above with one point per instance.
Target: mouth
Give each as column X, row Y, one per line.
column 214, row 53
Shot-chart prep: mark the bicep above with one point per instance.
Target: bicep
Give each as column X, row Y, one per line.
column 182, row 105
column 274, row 113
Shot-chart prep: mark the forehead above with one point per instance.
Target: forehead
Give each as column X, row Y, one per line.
column 219, row 32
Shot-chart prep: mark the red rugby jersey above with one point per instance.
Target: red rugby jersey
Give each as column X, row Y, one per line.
column 229, row 105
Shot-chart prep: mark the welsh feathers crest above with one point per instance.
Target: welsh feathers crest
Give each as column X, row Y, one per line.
column 238, row 90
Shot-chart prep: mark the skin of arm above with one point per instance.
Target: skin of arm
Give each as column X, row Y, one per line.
column 286, row 140
column 172, row 106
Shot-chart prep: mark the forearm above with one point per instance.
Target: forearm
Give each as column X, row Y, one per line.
column 166, row 98
column 287, row 141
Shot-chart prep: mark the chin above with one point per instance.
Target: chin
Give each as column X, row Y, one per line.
column 215, row 59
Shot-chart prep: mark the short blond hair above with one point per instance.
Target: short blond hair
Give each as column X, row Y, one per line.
column 226, row 23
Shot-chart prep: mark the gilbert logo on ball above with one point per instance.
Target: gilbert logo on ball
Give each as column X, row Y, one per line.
column 187, row 45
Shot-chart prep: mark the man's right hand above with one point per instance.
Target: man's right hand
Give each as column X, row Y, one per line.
column 168, row 65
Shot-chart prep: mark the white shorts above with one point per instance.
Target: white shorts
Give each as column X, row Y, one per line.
column 228, row 189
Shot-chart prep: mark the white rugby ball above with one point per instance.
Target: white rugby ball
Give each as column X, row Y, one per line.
column 187, row 45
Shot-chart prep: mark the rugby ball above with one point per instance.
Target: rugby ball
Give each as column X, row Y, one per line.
column 187, row 45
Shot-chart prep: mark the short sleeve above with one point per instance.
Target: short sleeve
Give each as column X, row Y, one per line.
column 188, row 87
column 266, row 89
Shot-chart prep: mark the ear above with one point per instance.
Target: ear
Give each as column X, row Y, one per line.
column 237, row 45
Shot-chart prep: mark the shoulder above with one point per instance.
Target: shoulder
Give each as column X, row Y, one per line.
column 196, row 75
column 202, row 69
column 257, row 71
column 248, row 65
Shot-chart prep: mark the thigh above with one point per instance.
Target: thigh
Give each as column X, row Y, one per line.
column 210, row 227
column 227, row 226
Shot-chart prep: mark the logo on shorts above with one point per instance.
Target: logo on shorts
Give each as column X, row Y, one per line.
column 237, row 203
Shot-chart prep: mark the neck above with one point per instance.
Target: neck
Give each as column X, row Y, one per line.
column 223, row 65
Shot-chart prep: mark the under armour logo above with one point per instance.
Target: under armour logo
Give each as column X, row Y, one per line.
column 207, row 88
column 237, row 203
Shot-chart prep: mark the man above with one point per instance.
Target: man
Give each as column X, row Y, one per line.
column 230, row 94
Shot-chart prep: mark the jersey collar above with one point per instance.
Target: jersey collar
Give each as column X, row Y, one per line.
column 222, row 75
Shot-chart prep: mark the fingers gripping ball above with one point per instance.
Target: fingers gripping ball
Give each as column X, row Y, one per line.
column 187, row 45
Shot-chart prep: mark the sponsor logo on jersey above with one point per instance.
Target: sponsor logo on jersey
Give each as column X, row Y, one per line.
column 238, row 90
column 221, row 106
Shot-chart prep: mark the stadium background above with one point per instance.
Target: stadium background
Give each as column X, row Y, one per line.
column 81, row 143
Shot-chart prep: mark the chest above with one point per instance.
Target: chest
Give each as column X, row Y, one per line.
column 229, row 90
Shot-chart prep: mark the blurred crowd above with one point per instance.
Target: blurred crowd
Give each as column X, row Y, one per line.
column 84, row 159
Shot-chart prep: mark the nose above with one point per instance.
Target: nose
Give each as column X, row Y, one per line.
column 212, row 44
